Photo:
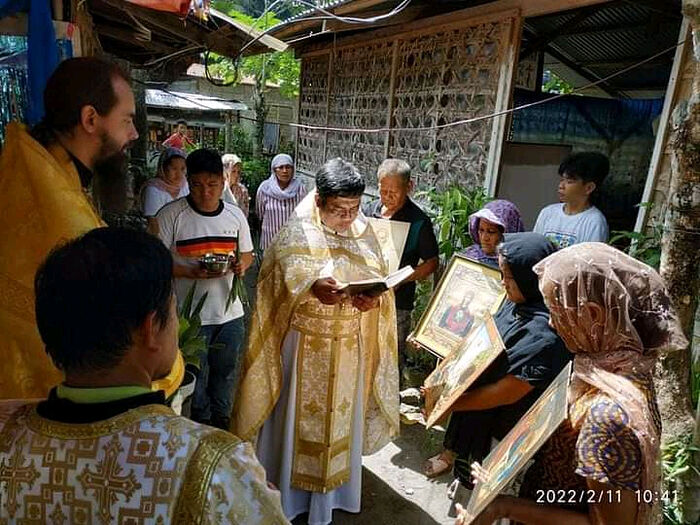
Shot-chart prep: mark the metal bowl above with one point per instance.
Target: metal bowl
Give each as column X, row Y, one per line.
column 215, row 262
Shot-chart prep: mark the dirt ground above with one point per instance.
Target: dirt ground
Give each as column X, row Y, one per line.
column 393, row 489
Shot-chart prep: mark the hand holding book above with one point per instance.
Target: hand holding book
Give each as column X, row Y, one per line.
column 376, row 287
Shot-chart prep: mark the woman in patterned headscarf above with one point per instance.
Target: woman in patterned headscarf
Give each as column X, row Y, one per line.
column 487, row 227
column 614, row 313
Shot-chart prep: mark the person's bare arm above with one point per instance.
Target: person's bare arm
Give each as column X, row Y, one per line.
column 244, row 263
column 608, row 506
column 152, row 227
column 183, row 269
column 423, row 270
column 505, row 391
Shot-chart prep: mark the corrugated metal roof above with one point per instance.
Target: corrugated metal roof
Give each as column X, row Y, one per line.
column 614, row 36
column 179, row 100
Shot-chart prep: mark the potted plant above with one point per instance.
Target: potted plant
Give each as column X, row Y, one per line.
column 193, row 346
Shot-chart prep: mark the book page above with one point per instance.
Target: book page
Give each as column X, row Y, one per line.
column 392, row 237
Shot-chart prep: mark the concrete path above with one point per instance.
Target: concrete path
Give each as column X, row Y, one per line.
column 393, row 489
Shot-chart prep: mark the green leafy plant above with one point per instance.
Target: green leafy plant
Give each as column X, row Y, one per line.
column 241, row 143
column 644, row 246
column 450, row 211
column 238, row 289
column 678, row 457
column 255, row 171
column 279, row 67
column 555, row 84
column 695, row 382
column 192, row 344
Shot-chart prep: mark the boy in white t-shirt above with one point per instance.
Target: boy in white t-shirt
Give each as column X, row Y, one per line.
column 575, row 219
column 191, row 227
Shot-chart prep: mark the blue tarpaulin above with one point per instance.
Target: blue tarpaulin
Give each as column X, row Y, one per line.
column 42, row 52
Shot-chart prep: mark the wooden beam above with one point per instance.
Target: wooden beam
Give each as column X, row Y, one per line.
column 506, row 80
column 436, row 23
column 528, row 8
column 588, row 75
column 662, row 132
column 293, row 28
column 620, row 63
column 131, row 37
column 169, row 23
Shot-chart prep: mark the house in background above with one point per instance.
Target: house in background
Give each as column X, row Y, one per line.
column 436, row 63
column 206, row 116
column 281, row 110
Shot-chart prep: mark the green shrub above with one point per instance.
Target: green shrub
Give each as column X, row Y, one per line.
column 255, row 171
column 450, row 211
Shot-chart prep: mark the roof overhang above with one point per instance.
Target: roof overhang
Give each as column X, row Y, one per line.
column 190, row 101
column 143, row 36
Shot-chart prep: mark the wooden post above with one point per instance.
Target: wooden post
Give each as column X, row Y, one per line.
column 503, row 98
column 228, row 136
column 662, row 132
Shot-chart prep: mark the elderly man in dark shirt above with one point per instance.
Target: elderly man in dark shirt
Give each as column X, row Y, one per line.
column 395, row 185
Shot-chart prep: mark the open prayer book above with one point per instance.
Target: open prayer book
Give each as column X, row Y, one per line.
column 375, row 287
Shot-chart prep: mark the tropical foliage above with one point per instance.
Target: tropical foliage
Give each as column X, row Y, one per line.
column 278, row 67
column 450, row 211
column 192, row 344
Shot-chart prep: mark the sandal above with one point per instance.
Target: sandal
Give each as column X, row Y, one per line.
column 438, row 464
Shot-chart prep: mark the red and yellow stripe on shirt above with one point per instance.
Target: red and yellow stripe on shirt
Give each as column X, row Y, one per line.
column 203, row 245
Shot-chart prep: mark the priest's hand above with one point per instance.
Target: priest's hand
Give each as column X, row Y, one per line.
column 326, row 290
column 364, row 303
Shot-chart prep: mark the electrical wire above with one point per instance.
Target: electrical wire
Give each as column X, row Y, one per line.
column 329, row 15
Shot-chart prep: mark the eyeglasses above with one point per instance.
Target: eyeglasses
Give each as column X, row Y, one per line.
column 342, row 213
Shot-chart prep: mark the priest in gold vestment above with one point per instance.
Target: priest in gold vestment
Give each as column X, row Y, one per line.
column 103, row 448
column 320, row 384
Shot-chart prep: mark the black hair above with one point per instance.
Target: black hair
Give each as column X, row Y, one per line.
column 76, row 83
column 181, row 121
column 588, row 166
column 94, row 291
column 338, row 178
column 167, row 162
column 204, row 160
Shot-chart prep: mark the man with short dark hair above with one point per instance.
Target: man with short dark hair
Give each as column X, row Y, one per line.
column 192, row 227
column 421, row 250
column 179, row 138
column 321, row 381
column 104, row 448
column 44, row 177
column 575, row 219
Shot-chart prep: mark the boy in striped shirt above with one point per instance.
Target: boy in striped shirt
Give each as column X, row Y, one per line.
column 191, row 227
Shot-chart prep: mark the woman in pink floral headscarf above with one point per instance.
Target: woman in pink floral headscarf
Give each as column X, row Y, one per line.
column 614, row 313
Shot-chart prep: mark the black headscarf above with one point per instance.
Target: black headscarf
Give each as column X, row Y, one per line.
column 522, row 251
column 534, row 353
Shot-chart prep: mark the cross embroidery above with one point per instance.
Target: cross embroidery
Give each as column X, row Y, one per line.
column 107, row 481
column 344, row 406
column 13, row 475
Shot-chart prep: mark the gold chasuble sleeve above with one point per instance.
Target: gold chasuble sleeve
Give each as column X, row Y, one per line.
column 42, row 205
column 334, row 341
